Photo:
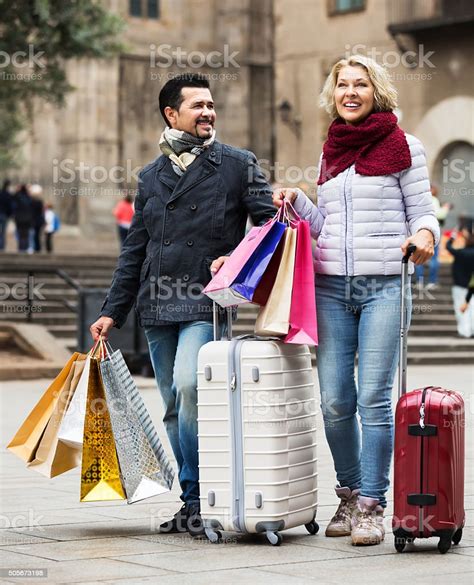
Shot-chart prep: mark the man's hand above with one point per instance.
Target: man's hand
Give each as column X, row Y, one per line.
column 101, row 327
column 424, row 242
column 463, row 307
column 218, row 262
column 280, row 194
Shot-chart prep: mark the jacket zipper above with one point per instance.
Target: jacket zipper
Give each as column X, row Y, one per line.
column 345, row 209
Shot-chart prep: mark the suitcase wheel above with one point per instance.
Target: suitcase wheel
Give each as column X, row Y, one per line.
column 444, row 545
column 312, row 527
column 400, row 543
column 274, row 538
column 457, row 536
column 215, row 536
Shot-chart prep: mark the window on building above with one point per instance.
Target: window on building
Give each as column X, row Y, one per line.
column 343, row 6
column 135, row 8
column 144, row 8
column 153, row 9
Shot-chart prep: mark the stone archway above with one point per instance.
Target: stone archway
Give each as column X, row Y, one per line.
column 446, row 132
column 450, row 121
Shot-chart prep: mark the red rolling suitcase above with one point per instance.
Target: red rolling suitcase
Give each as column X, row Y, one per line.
column 429, row 456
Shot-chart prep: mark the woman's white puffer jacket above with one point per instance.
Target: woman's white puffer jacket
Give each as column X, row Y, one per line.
column 360, row 222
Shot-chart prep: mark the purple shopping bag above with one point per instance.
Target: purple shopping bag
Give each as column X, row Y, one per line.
column 235, row 282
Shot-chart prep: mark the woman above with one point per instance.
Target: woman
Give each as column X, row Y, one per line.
column 124, row 212
column 463, row 269
column 373, row 201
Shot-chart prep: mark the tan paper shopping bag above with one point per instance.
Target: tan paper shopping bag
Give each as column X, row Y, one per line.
column 274, row 317
column 26, row 440
column 54, row 457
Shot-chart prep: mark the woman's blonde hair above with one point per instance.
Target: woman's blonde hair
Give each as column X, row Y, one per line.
column 385, row 94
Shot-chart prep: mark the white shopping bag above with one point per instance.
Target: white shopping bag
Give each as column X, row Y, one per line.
column 71, row 431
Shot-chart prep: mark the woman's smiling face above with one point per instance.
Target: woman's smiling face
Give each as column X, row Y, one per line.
column 354, row 94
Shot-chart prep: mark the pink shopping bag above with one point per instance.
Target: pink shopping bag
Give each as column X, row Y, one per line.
column 303, row 326
column 251, row 255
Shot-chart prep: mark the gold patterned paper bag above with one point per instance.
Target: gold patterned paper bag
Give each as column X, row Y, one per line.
column 100, row 473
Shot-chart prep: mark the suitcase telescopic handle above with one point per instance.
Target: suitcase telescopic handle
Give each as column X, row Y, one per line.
column 215, row 321
column 402, row 369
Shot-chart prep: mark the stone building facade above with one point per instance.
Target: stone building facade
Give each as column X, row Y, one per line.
column 427, row 46
column 267, row 61
column 88, row 153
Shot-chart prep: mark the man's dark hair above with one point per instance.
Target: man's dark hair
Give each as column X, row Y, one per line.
column 170, row 94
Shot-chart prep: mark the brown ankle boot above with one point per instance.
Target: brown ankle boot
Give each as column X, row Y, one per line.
column 367, row 523
column 340, row 523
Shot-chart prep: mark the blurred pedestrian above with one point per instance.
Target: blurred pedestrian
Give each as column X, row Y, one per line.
column 5, row 211
column 23, row 216
column 37, row 208
column 463, row 267
column 470, row 292
column 441, row 211
column 124, row 212
column 52, row 225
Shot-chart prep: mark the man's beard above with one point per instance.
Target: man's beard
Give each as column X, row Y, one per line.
column 204, row 133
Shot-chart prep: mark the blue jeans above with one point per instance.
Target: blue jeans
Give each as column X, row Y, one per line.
column 359, row 313
column 174, row 350
column 433, row 266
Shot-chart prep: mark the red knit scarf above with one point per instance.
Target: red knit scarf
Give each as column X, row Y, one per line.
column 377, row 146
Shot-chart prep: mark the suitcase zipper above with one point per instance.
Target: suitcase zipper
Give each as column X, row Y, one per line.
column 235, row 401
column 421, row 520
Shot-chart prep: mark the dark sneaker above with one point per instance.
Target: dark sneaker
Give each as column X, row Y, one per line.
column 178, row 523
column 194, row 523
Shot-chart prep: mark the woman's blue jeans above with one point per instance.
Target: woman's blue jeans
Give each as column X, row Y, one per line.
column 174, row 351
column 359, row 314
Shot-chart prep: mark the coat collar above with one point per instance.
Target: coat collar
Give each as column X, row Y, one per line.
column 205, row 165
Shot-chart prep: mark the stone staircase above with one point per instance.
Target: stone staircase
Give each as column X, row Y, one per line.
column 432, row 338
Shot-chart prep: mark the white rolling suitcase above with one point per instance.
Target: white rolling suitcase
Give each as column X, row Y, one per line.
column 257, row 436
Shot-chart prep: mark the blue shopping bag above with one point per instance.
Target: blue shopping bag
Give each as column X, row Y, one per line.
column 253, row 270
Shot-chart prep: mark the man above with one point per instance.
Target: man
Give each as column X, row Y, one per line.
column 190, row 212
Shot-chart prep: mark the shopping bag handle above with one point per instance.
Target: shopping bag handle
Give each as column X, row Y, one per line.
column 288, row 203
column 283, row 215
column 102, row 348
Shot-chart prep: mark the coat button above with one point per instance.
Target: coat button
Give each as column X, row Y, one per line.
column 212, row 154
column 194, row 207
column 167, row 242
column 190, row 243
column 186, row 277
column 171, row 206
